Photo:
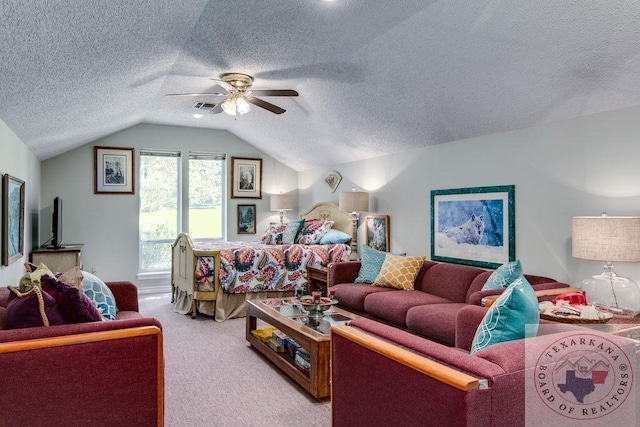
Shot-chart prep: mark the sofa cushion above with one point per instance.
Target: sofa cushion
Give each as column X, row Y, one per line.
column 435, row 321
column 23, row 309
column 352, row 295
column 449, row 281
column 399, row 272
column 370, row 264
column 504, row 275
column 100, row 294
column 512, row 316
column 74, row 305
column 393, row 306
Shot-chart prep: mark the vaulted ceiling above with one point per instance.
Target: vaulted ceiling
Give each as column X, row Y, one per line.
column 374, row 77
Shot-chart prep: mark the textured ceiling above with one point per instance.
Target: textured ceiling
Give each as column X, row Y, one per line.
column 374, row 77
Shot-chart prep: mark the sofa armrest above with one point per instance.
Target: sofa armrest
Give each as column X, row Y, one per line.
column 343, row 272
column 467, row 322
column 126, row 295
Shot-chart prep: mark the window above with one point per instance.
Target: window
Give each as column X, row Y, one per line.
column 164, row 212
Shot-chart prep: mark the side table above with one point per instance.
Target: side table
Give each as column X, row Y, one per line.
column 317, row 278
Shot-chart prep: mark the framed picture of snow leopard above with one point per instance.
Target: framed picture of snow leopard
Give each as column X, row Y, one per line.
column 474, row 226
column 377, row 232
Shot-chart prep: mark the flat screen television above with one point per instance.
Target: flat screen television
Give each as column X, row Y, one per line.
column 56, row 224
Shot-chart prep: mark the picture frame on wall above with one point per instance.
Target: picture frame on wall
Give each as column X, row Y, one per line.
column 246, row 219
column 377, row 232
column 114, row 170
column 13, row 196
column 332, row 180
column 473, row 226
column 246, row 178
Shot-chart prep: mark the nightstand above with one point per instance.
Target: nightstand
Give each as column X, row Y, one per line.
column 317, row 278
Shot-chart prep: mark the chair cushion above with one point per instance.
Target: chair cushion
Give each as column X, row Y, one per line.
column 399, row 272
column 512, row 316
column 352, row 295
column 435, row 321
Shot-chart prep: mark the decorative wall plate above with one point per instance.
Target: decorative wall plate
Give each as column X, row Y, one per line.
column 332, row 180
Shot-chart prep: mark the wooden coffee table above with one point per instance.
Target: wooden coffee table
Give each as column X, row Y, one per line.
column 317, row 342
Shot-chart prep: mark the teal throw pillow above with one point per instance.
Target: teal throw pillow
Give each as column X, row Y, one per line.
column 370, row 264
column 291, row 231
column 334, row 236
column 100, row 294
column 504, row 275
column 514, row 315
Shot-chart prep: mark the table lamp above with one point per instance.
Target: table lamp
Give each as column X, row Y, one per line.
column 354, row 201
column 281, row 202
column 609, row 238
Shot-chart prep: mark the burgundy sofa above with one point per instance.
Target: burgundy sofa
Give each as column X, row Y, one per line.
column 99, row 373
column 441, row 290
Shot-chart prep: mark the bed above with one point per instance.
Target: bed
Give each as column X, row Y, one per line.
column 217, row 277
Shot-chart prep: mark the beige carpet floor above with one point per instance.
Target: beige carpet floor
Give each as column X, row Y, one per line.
column 214, row 378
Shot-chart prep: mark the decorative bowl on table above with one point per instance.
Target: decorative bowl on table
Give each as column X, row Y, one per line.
column 323, row 304
column 572, row 313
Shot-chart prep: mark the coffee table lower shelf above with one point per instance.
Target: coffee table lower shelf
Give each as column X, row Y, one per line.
column 317, row 382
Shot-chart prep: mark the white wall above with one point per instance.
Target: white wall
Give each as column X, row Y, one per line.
column 18, row 161
column 108, row 224
column 560, row 170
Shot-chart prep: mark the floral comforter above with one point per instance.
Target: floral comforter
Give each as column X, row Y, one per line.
column 255, row 267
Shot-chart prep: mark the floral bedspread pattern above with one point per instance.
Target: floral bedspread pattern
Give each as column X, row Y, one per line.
column 255, row 267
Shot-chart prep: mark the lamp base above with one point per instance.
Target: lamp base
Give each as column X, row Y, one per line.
column 612, row 293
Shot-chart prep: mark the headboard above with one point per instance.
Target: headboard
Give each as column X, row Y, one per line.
column 331, row 212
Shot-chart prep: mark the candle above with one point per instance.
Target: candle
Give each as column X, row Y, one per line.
column 316, row 296
column 332, row 293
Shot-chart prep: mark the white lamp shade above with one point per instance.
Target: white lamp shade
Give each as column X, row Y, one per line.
column 354, row 201
column 606, row 238
column 281, row 202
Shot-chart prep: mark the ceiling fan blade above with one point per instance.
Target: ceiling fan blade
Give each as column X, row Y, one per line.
column 274, row 92
column 196, row 94
column 266, row 105
column 223, row 84
column 217, row 109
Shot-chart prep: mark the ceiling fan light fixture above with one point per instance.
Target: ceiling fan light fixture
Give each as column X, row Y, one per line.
column 242, row 105
column 235, row 104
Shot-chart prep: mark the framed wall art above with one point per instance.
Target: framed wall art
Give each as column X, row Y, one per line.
column 332, row 180
column 12, row 219
column 246, row 219
column 113, row 170
column 474, row 226
column 246, row 178
column 377, row 232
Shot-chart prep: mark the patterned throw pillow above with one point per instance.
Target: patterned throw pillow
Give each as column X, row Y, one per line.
column 313, row 230
column 100, row 294
column 291, row 231
column 504, row 275
column 273, row 235
column 399, row 271
column 334, row 236
column 370, row 264
column 514, row 315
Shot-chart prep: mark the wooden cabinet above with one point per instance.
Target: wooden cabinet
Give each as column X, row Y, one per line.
column 59, row 260
column 317, row 278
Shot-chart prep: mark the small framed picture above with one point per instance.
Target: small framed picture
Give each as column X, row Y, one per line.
column 332, row 180
column 474, row 226
column 246, row 178
column 12, row 219
column 113, row 170
column 246, row 219
column 377, row 231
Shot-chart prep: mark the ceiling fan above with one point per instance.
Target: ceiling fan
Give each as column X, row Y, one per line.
column 238, row 95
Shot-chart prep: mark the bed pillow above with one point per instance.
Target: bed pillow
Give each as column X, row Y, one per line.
column 273, row 235
column 334, row 236
column 399, row 272
column 291, row 231
column 313, row 230
column 504, row 275
column 514, row 315
column 100, row 294
column 74, row 305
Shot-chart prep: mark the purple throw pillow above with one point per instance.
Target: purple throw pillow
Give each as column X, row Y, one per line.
column 25, row 312
column 74, row 305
